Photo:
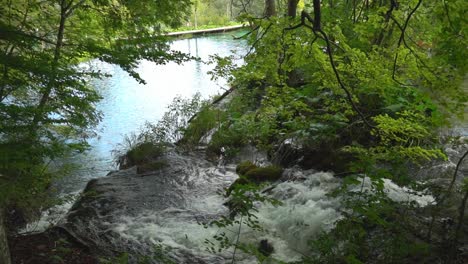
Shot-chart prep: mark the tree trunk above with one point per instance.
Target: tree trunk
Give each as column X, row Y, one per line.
column 317, row 15
column 4, row 250
column 292, row 8
column 270, row 8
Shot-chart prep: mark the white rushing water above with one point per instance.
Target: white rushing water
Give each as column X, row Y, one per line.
column 305, row 211
column 397, row 193
column 51, row 216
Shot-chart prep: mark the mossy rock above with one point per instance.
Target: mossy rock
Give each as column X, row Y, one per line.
column 270, row 173
column 244, row 167
column 143, row 153
column 152, row 166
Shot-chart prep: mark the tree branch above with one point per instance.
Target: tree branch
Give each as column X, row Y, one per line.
column 317, row 29
column 338, row 79
column 258, row 39
column 248, row 33
column 402, row 39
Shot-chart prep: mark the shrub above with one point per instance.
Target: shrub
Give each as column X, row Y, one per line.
column 141, row 154
column 227, row 137
column 205, row 120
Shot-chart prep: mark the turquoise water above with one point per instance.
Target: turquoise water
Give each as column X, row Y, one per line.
column 127, row 105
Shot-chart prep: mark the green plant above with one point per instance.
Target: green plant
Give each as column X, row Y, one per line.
column 228, row 137
column 206, row 119
column 144, row 152
column 242, row 199
column 244, row 167
column 139, row 153
column 373, row 227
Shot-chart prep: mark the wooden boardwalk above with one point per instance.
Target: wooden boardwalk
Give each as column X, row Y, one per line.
column 204, row 31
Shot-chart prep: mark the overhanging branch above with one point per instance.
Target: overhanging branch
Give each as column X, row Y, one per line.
column 316, row 28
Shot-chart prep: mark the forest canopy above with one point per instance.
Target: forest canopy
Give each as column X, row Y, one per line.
column 47, row 105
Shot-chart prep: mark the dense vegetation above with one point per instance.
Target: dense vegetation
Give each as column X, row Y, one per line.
column 361, row 86
column 47, row 106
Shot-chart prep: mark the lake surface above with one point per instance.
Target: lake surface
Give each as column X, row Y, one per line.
column 127, row 105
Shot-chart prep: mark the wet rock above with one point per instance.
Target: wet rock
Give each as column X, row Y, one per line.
column 143, row 153
column 324, row 157
column 288, row 152
column 255, row 174
column 438, row 174
column 249, row 173
column 239, row 181
column 112, row 207
column 151, row 166
column 52, row 246
column 265, row 248
column 249, row 152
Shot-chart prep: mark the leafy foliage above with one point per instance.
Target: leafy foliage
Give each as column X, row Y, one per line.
column 47, row 104
column 373, row 80
column 150, row 142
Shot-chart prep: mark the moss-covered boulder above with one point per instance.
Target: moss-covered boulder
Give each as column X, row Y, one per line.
column 245, row 166
column 269, row 173
column 142, row 153
column 249, row 173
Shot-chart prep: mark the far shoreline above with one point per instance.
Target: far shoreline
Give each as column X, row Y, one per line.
column 205, row 31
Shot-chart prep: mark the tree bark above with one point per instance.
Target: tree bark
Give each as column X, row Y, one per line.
column 270, row 8
column 292, row 8
column 4, row 250
column 317, row 15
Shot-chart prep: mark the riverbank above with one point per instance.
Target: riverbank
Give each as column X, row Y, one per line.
column 205, row 31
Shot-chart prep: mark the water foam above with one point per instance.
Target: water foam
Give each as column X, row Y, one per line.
column 305, row 211
column 397, row 193
column 51, row 216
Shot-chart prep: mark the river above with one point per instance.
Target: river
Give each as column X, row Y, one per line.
column 131, row 212
column 127, row 105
